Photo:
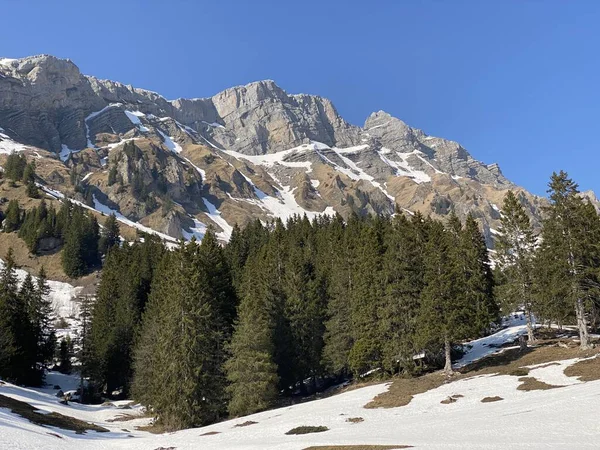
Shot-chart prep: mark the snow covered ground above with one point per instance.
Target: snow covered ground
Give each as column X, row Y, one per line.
column 535, row 419
column 555, row 418
column 61, row 295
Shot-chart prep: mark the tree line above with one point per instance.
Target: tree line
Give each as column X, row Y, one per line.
column 71, row 228
column 207, row 331
column 27, row 339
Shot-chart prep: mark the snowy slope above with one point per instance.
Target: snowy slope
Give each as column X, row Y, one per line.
column 61, row 295
column 531, row 420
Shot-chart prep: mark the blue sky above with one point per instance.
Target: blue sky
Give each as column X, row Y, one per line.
column 515, row 82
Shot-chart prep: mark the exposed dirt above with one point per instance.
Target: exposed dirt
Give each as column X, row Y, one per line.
column 52, row 419
column 355, row 419
column 533, row 384
column 358, row 447
column 306, row 429
column 491, row 399
column 510, row 362
column 246, row 423
column 588, row 370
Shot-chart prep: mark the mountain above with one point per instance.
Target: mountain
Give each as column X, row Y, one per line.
column 248, row 152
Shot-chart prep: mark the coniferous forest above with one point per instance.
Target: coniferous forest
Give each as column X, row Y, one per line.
column 205, row 331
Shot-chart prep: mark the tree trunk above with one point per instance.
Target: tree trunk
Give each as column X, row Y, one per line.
column 530, row 335
column 448, row 350
column 582, row 324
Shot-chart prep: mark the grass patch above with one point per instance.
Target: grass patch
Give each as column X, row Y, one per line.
column 491, row 399
column 306, row 429
column 451, row 399
column 246, row 423
column 210, row 433
column 126, row 417
column 357, row 447
column 588, row 370
column 510, row 362
column 533, row 384
column 52, row 419
column 355, row 419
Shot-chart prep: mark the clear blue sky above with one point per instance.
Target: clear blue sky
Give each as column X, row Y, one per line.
column 514, row 81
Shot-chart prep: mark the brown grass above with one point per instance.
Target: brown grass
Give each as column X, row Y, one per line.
column 491, row 399
column 510, row 362
column 451, row 399
column 306, row 429
column 52, row 419
column 588, row 370
column 357, row 447
column 126, row 417
column 355, row 419
column 246, row 423
column 533, row 384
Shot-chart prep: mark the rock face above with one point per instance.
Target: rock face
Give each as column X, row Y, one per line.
column 248, row 152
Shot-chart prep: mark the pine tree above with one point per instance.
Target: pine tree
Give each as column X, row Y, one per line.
column 64, row 355
column 17, row 330
column 13, row 218
column 403, row 269
column 110, row 234
column 339, row 259
column 180, row 348
column 570, row 241
column 251, row 368
column 515, row 250
column 366, row 298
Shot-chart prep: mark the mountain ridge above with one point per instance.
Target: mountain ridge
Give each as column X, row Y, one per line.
column 251, row 151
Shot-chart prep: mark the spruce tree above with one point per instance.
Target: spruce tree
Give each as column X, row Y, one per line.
column 186, row 353
column 13, row 218
column 251, row 369
column 571, row 240
column 515, row 251
column 110, row 234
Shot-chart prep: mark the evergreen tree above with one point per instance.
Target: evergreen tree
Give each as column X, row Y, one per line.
column 15, row 166
column 64, row 355
column 13, row 218
column 251, row 369
column 366, row 296
column 110, row 234
column 571, row 244
column 185, row 350
column 515, row 250
column 403, row 270
column 16, row 326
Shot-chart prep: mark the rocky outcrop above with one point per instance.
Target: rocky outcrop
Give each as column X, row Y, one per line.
column 248, row 152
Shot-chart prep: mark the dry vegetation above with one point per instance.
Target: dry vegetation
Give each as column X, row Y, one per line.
column 355, row 419
column 491, row 399
column 587, row 370
column 52, row 419
column 357, row 447
column 246, row 423
column 510, row 362
column 306, row 429
column 533, row 384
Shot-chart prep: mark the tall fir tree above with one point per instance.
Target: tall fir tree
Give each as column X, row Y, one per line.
column 571, row 244
column 515, row 252
column 251, row 368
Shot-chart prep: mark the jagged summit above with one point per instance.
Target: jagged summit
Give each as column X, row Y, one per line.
column 260, row 151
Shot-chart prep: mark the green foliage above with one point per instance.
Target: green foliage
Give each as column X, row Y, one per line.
column 110, row 236
column 24, row 326
column 14, row 168
column 13, row 218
